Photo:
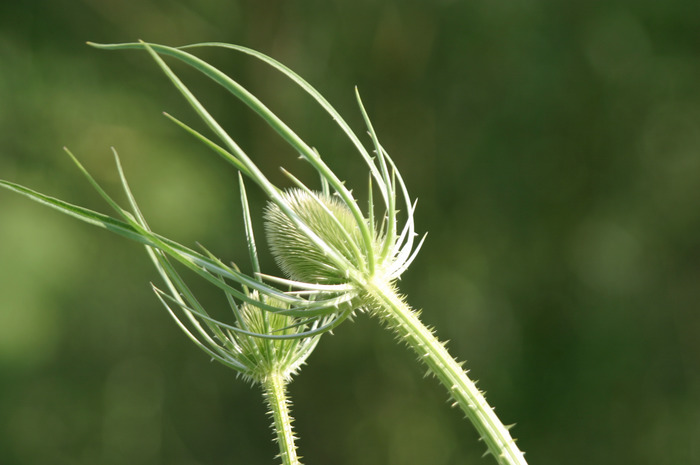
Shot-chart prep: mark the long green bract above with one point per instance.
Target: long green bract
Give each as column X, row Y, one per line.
column 277, row 124
column 190, row 258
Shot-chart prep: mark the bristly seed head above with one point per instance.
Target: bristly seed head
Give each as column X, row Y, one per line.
column 264, row 357
column 331, row 220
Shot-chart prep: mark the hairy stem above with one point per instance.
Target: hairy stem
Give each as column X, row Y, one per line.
column 275, row 393
column 405, row 323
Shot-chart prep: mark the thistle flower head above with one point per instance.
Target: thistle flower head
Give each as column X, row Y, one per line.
column 283, row 355
column 259, row 344
column 331, row 221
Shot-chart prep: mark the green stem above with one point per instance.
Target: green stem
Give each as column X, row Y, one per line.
column 275, row 393
column 405, row 322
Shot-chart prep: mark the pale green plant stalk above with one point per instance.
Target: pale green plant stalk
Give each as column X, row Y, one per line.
column 393, row 310
column 275, row 392
column 336, row 259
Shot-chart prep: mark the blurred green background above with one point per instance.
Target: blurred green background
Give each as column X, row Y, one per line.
column 554, row 148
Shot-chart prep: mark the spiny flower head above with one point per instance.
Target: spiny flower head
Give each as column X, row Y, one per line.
column 297, row 255
column 263, row 356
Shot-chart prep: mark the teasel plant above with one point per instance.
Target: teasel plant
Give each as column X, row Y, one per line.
column 337, row 258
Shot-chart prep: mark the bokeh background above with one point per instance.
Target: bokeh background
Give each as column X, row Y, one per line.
column 554, row 148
